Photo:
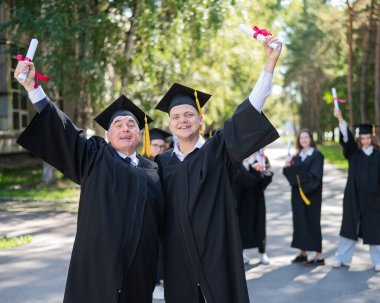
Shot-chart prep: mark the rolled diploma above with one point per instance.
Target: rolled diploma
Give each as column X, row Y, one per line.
column 289, row 146
column 29, row 57
column 336, row 104
column 249, row 31
column 261, row 156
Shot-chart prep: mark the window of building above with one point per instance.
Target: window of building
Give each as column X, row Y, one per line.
column 20, row 115
column 20, row 109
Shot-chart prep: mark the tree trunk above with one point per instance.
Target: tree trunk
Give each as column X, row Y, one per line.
column 305, row 111
column 82, row 46
column 364, row 69
column 48, row 173
column 349, row 59
column 377, row 75
column 315, row 100
column 128, row 46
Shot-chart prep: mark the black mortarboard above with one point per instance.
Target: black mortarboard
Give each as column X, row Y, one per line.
column 366, row 128
column 179, row 94
column 157, row 133
column 122, row 106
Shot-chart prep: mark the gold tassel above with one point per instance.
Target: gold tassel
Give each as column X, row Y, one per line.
column 303, row 196
column 374, row 130
column 199, row 108
column 146, row 140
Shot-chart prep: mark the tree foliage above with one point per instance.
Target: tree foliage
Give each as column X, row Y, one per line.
column 96, row 49
column 318, row 59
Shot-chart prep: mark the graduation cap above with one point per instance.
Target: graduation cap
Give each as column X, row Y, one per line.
column 179, row 94
column 122, row 106
column 157, row 133
column 366, row 128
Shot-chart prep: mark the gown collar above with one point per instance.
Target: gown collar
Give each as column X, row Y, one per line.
column 134, row 159
column 181, row 156
column 368, row 151
column 303, row 155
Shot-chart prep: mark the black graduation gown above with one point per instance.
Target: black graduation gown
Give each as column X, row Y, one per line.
column 120, row 208
column 361, row 202
column 202, row 246
column 307, row 233
column 249, row 187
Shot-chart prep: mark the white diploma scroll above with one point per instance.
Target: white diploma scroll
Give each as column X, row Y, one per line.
column 29, row 57
column 261, row 157
column 336, row 104
column 289, row 146
column 249, row 31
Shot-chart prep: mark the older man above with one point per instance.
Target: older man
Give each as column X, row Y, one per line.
column 115, row 250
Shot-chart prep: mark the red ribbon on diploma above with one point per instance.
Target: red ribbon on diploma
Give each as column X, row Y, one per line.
column 261, row 31
column 340, row 100
column 38, row 75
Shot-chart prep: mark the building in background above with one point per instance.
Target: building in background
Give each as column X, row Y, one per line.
column 15, row 110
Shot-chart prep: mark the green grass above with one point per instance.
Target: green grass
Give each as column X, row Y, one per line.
column 38, row 206
column 6, row 242
column 333, row 154
column 21, row 189
column 25, row 182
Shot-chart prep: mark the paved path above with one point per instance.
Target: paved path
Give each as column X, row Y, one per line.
column 37, row 272
column 284, row 282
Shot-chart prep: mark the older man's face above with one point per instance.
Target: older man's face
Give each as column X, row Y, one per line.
column 124, row 135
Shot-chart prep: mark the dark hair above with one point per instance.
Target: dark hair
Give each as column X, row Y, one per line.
column 312, row 142
column 374, row 142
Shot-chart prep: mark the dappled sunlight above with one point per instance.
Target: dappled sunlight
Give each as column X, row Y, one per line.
column 296, row 282
column 39, row 268
column 37, row 271
column 316, row 274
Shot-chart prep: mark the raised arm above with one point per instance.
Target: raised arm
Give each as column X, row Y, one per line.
column 36, row 95
column 52, row 136
column 346, row 137
column 263, row 85
column 249, row 130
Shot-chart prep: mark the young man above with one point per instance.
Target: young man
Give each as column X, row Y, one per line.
column 115, row 250
column 202, row 249
column 157, row 141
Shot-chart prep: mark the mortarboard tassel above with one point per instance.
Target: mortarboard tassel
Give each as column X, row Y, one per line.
column 374, row 130
column 146, row 140
column 199, row 108
column 303, row 196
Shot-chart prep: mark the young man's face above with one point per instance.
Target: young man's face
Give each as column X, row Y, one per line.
column 124, row 135
column 184, row 121
column 157, row 147
column 365, row 140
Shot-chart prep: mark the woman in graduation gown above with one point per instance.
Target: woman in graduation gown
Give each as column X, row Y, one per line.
column 305, row 172
column 361, row 202
column 120, row 208
column 202, row 247
column 250, row 180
